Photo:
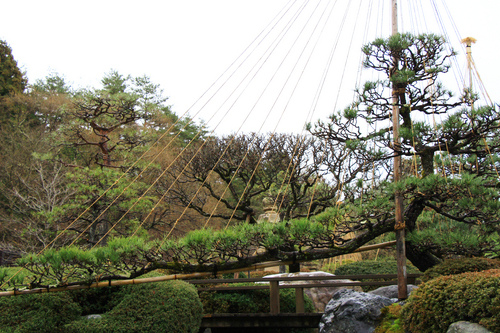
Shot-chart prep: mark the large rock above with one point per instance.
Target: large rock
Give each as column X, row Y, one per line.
column 350, row 311
column 466, row 327
column 392, row 291
column 319, row 296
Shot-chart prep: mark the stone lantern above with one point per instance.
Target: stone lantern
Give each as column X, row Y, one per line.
column 270, row 214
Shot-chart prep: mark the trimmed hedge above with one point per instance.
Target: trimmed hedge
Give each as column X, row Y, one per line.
column 37, row 313
column 373, row 267
column 171, row 306
column 253, row 301
column 436, row 304
column 249, row 301
column 458, row 266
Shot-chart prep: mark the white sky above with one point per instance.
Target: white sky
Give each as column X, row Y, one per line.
column 185, row 45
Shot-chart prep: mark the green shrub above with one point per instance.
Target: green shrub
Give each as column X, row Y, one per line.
column 390, row 320
column 249, row 301
column 252, row 301
column 171, row 306
column 47, row 312
column 97, row 300
column 242, row 275
column 16, row 276
column 473, row 296
column 458, row 266
column 92, row 326
column 373, row 267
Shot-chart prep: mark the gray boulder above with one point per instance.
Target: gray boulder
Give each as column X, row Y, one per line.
column 466, row 327
column 350, row 311
column 391, row 291
column 319, row 296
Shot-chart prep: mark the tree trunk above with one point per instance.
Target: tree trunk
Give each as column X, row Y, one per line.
column 423, row 260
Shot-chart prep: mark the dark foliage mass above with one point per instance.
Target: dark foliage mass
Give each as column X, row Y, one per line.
column 373, row 267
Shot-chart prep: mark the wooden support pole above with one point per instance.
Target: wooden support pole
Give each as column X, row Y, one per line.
column 299, row 300
column 274, row 294
column 400, row 224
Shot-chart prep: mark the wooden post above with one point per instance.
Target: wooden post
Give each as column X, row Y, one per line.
column 274, row 294
column 399, row 223
column 294, row 268
column 299, row 300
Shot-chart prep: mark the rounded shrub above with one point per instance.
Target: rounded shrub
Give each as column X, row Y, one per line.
column 171, row 306
column 436, row 304
column 47, row 312
column 458, row 266
column 373, row 267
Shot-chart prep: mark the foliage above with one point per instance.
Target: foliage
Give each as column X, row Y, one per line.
column 16, row 277
column 32, row 182
column 447, row 238
column 387, row 266
column 232, row 175
column 171, row 306
column 72, row 263
column 251, row 301
column 52, row 84
column 12, row 80
column 373, row 267
column 241, row 275
column 458, row 266
column 473, row 296
column 391, row 320
column 118, row 203
column 97, row 300
column 331, row 268
column 103, row 130
column 199, row 250
column 449, row 168
column 38, row 313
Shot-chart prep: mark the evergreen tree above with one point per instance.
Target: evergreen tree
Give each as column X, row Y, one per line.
column 12, row 80
column 454, row 163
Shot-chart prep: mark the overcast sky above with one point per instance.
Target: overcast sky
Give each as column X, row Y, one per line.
column 185, row 45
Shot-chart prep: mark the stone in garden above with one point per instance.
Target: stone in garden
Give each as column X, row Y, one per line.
column 350, row 311
column 391, row 291
column 319, row 296
column 466, row 327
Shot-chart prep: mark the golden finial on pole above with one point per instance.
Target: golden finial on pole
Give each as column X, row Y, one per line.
column 468, row 41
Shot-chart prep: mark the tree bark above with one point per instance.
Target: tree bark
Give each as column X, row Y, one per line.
column 423, row 260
